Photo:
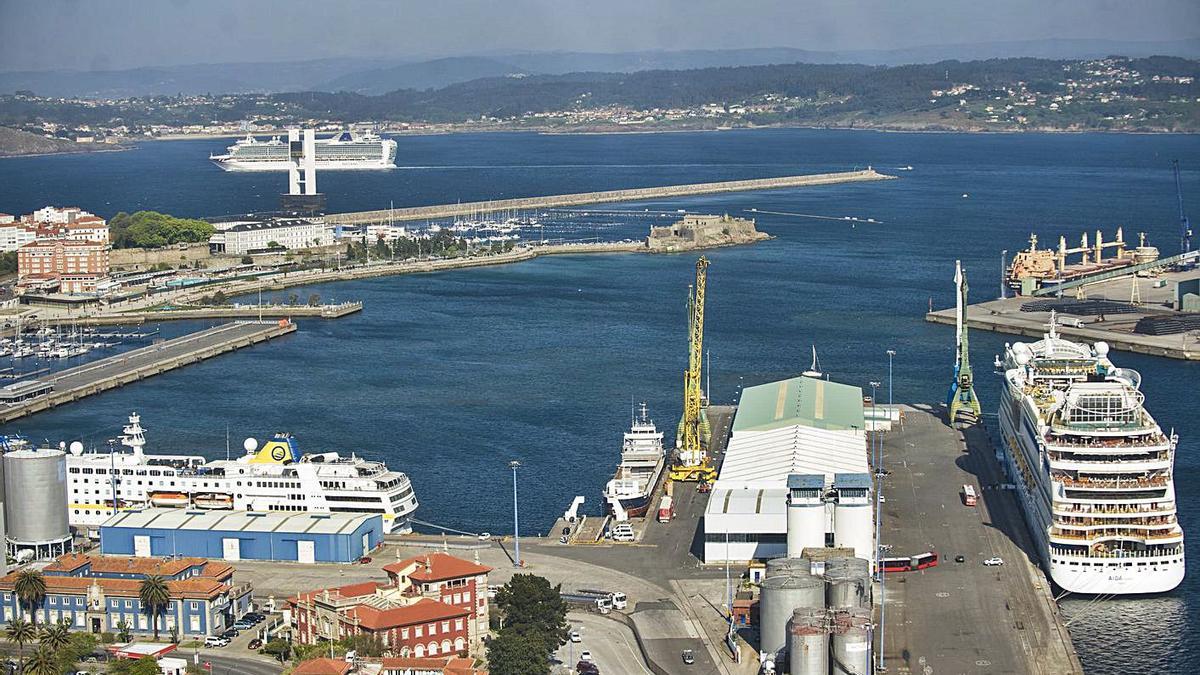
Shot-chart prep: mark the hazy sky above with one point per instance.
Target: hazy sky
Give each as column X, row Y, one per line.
column 111, row 34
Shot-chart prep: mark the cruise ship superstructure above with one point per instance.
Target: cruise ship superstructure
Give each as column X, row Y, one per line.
column 274, row 477
column 628, row 494
column 1093, row 468
column 345, row 150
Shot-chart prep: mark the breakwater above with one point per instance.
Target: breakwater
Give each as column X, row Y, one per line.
column 606, row 196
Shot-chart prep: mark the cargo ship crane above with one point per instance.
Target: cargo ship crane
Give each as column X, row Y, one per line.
column 962, row 390
column 692, row 461
column 1185, row 228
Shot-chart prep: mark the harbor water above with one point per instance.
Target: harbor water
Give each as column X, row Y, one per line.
column 450, row 376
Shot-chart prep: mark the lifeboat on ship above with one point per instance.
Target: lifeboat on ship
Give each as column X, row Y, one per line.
column 213, row 501
column 174, row 499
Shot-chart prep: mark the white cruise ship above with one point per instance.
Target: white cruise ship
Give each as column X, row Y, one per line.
column 275, row 477
column 1093, row 468
column 346, row 150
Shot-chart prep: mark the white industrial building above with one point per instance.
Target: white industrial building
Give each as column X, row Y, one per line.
column 798, row 452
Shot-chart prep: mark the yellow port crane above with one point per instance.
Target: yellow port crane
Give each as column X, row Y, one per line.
column 691, row 461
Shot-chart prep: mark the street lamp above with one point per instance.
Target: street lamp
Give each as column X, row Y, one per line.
column 514, row 465
column 890, row 353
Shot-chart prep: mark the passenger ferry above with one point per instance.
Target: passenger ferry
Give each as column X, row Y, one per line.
column 346, row 150
column 1093, row 469
column 274, row 477
column 627, row 495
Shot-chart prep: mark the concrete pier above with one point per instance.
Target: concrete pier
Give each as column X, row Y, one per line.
column 607, row 196
column 962, row 617
column 116, row 371
column 1005, row 316
column 225, row 312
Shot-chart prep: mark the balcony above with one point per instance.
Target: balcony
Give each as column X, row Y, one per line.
column 1164, row 552
column 1132, row 483
column 1114, row 510
column 1122, row 534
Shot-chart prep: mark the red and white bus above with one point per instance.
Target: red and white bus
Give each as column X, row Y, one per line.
column 968, row 495
column 908, row 564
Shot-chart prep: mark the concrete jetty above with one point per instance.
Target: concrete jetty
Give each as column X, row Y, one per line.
column 606, row 196
column 335, row 311
column 1006, row 316
column 116, row 371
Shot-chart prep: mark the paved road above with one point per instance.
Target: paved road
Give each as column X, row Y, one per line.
column 612, row 644
column 225, row 664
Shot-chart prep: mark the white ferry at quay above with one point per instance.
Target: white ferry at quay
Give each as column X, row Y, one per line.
column 1093, row 468
column 274, row 477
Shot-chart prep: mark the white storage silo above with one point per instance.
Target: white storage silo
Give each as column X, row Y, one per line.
column 35, row 504
column 805, row 513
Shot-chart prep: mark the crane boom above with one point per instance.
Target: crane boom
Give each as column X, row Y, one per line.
column 1185, row 228
column 692, row 461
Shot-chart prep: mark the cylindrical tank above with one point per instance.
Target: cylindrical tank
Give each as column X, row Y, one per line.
column 854, row 526
column 780, row 595
column 787, row 566
column 850, row 643
column 848, row 583
column 808, row 642
column 805, row 527
column 35, row 490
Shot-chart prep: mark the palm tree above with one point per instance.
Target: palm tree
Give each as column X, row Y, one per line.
column 43, row 661
column 56, row 636
column 20, row 631
column 154, row 595
column 30, row 587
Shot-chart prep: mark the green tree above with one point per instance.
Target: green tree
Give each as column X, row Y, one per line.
column 363, row 645
column 510, row 653
column 56, row 636
column 535, row 609
column 219, row 298
column 42, row 661
column 151, row 229
column 314, row 299
column 30, row 588
column 21, row 632
column 277, row 648
column 154, row 595
column 143, row 666
column 247, row 260
column 8, row 263
column 124, row 631
column 273, row 244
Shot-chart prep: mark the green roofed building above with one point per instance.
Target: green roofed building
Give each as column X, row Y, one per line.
column 799, row 427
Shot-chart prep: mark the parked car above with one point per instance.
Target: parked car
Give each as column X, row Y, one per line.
column 215, row 641
column 959, row 559
column 992, row 562
column 242, row 624
column 689, row 657
column 230, row 634
column 575, row 636
column 585, row 655
column 587, row 668
column 365, row 560
column 255, row 644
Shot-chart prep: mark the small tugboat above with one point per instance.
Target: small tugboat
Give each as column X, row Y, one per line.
column 627, row 495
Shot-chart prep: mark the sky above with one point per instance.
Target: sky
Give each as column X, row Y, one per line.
column 119, row 34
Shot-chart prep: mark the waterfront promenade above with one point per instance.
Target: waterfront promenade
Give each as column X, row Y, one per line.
column 601, row 197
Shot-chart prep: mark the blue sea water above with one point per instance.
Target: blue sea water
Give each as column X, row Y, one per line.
column 450, row 376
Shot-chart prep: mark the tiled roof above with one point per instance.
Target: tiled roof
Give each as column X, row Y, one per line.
column 106, row 564
column 422, row 611
column 187, row 588
column 348, row 591
column 322, row 666
column 436, row 567
column 451, row 665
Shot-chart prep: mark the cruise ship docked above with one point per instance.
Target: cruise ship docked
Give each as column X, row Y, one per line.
column 1093, row 468
column 346, row 150
column 627, row 495
column 275, row 477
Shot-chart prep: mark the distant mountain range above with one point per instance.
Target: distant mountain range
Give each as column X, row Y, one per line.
column 378, row 76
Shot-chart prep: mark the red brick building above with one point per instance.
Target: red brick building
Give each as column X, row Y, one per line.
column 74, row 266
column 430, row 606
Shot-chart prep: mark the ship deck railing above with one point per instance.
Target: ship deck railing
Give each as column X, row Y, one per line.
column 1105, row 443
column 1151, row 521
column 1093, row 535
column 1118, row 554
column 1113, row 510
column 1114, row 483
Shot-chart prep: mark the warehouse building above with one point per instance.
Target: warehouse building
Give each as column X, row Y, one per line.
column 242, row 535
column 797, row 456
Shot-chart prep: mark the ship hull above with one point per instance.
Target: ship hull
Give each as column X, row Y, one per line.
column 283, row 165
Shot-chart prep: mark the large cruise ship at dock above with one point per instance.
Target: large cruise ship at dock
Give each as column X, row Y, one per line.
column 627, row 495
column 1093, row 469
column 273, row 477
column 345, row 150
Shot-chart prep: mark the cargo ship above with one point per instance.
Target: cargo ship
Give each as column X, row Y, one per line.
column 345, row 150
column 1093, row 469
column 627, row 495
column 273, row 477
column 1036, row 267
